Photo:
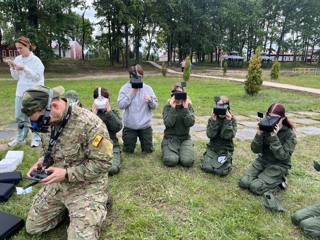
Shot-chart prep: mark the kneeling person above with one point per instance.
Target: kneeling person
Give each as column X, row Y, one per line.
column 221, row 130
column 112, row 120
column 274, row 143
column 80, row 159
column 178, row 117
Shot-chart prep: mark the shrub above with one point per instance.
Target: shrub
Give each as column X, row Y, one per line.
column 275, row 70
column 254, row 77
column 186, row 72
column 225, row 67
column 164, row 69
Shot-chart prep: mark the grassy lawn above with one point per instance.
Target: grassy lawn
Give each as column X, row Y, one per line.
column 305, row 80
column 155, row 202
column 201, row 92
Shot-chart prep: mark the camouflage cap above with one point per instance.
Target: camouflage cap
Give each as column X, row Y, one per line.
column 72, row 95
column 36, row 98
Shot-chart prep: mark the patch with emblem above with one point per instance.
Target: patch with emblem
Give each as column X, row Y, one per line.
column 97, row 140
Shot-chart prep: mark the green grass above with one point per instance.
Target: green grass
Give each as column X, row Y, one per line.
column 304, row 80
column 201, row 92
column 152, row 201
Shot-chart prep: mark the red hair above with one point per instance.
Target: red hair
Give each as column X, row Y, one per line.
column 279, row 109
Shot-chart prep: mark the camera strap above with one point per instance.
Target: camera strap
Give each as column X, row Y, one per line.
column 55, row 133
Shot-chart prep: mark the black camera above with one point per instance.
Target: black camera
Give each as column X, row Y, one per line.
column 136, row 80
column 220, row 109
column 180, row 95
column 316, row 165
column 39, row 174
column 268, row 123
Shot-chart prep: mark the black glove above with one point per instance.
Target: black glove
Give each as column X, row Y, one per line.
column 316, row 165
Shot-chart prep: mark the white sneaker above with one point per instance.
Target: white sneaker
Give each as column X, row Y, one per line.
column 35, row 143
column 14, row 142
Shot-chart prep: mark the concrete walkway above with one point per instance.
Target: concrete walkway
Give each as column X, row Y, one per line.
column 265, row 83
column 306, row 123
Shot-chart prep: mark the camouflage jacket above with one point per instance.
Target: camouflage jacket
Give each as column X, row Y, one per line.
column 178, row 121
column 113, row 122
column 84, row 149
column 275, row 149
column 221, row 133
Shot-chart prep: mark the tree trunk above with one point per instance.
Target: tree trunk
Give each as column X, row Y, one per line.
column 59, row 44
column 1, row 59
column 283, row 31
column 33, row 19
column 169, row 47
column 126, row 30
column 83, row 35
column 137, row 46
column 110, row 45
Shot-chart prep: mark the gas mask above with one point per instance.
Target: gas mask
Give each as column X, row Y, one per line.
column 42, row 123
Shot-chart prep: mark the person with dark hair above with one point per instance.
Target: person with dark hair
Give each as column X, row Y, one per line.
column 178, row 117
column 268, row 172
column 28, row 70
column 221, row 130
column 138, row 100
column 73, row 97
column 102, row 107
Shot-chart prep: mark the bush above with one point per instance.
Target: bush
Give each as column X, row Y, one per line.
column 164, row 69
column 254, row 77
column 275, row 70
column 225, row 67
column 186, row 72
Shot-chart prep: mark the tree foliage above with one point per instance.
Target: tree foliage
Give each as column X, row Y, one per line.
column 254, row 77
column 186, row 71
column 275, row 70
column 201, row 29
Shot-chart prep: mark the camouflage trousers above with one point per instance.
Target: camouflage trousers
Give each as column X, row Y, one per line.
column 260, row 179
column 116, row 160
column 176, row 151
column 129, row 137
column 308, row 219
column 87, row 211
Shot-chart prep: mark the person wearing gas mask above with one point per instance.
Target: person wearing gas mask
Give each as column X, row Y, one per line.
column 274, row 143
column 28, row 70
column 102, row 107
column 138, row 100
column 221, row 129
column 178, row 117
column 74, row 166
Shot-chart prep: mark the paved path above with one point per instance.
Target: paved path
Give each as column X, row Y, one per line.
column 265, row 83
column 306, row 123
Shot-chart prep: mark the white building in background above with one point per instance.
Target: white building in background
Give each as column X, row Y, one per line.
column 74, row 50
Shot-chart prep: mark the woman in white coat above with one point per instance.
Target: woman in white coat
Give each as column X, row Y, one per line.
column 28, row 70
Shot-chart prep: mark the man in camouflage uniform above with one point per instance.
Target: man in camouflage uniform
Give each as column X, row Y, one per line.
column 221, row 130
column 78, row 181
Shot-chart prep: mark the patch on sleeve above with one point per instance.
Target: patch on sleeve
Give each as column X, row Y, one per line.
column 106, row 147
column 97, row 140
